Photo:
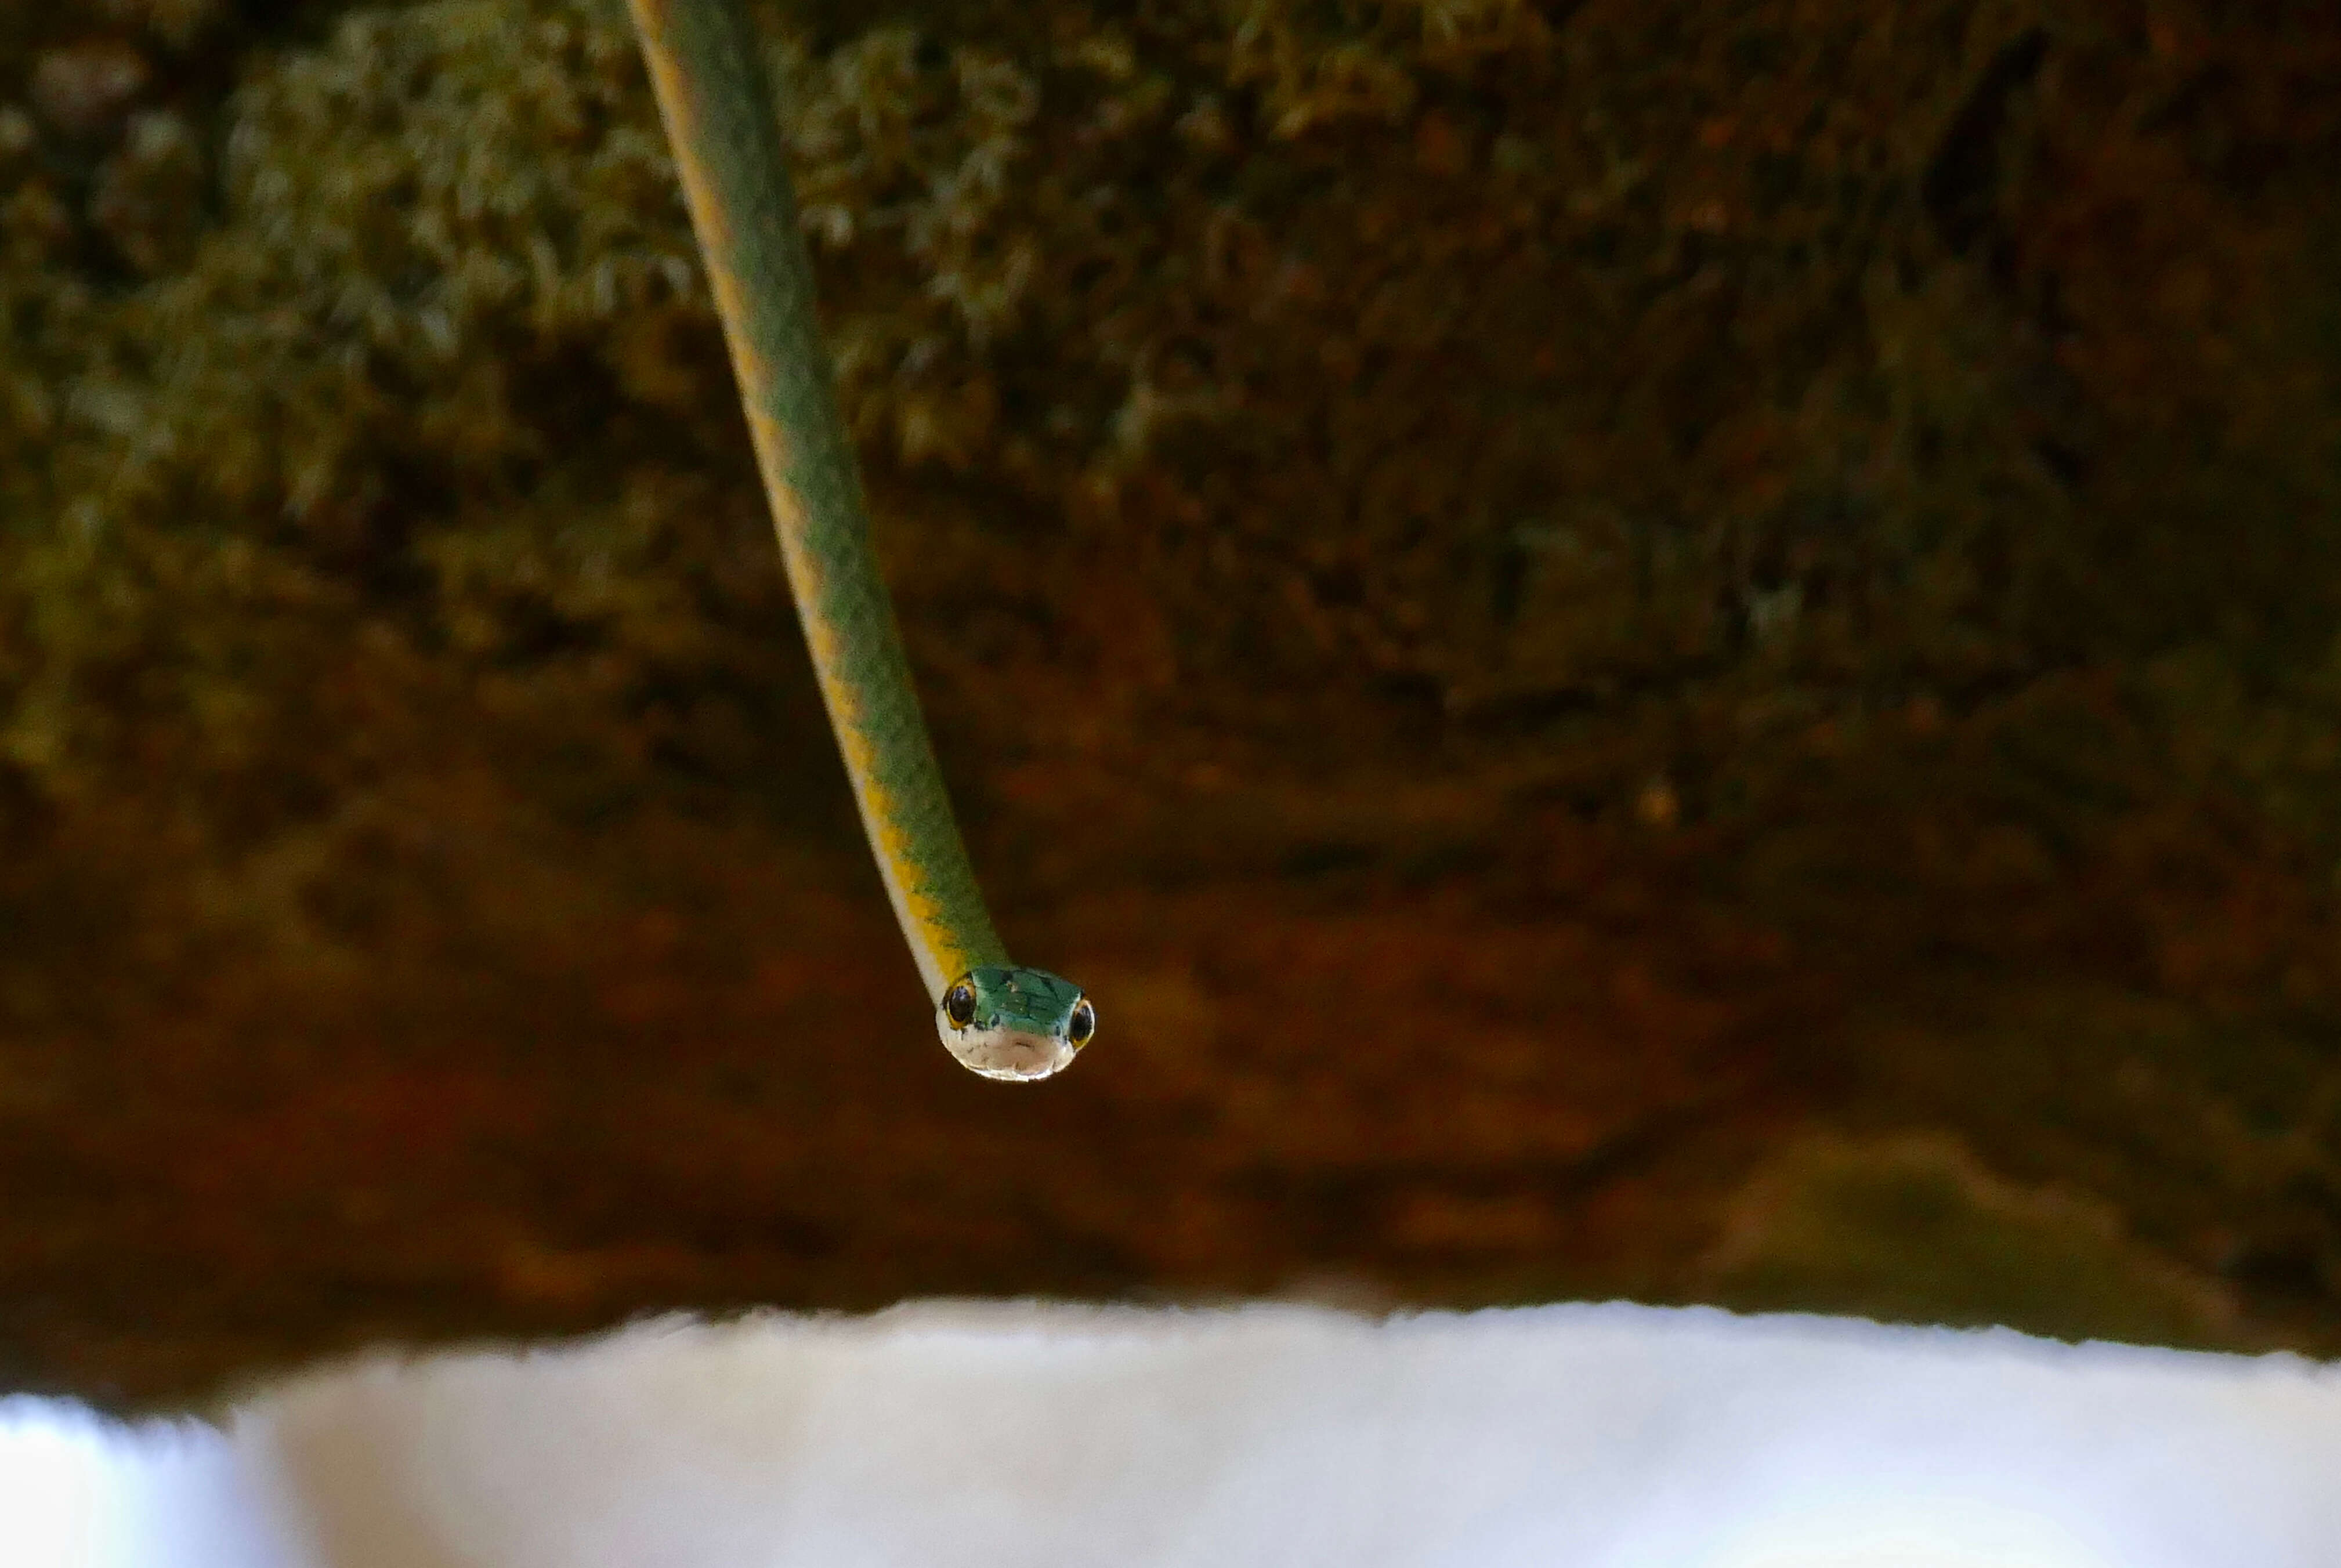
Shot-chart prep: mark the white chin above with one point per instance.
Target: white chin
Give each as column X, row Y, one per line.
column 1006, row 1053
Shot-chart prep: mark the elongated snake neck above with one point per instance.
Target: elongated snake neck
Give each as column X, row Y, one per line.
column 705, row 67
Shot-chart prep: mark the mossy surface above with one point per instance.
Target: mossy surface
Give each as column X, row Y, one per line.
column 1560, row 594
column 1914, row 1229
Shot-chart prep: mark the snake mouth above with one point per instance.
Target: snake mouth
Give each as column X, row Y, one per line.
column 1017, row 1056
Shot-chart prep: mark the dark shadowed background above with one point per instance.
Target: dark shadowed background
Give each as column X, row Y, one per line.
column 1642, row 646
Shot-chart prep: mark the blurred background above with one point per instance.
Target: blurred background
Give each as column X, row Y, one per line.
column 1643, row 648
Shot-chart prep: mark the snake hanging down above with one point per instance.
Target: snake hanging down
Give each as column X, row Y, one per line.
column 999, row 1019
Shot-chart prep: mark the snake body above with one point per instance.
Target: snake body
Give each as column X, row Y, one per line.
column 999, row 1019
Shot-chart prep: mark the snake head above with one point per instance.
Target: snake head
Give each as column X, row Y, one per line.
column 1013, row 1022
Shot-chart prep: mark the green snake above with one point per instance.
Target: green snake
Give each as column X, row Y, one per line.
column 999, row 1019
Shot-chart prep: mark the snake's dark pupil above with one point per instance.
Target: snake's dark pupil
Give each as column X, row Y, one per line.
column 959, row 1006
column 1082, row 1024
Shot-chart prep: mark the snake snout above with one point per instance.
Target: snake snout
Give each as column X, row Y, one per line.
column 1014, row 1055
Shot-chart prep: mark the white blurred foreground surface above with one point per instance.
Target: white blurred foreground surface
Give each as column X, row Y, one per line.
column 958, row 1436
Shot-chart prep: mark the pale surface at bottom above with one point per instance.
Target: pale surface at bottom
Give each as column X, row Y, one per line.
column 969, row 1435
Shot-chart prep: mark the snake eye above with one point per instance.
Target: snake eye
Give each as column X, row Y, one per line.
column 958, row 1005
column 1082, row 1024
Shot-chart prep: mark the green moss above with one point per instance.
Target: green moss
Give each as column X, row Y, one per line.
column 1914, row 1229
column 1636, row 360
